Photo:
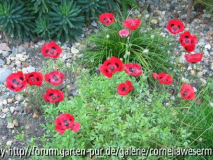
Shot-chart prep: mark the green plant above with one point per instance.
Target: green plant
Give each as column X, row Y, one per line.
column 16, row 19
column 40, row 7
column 92, row 8
column 128, row 4
column 67, row 21
column 44, row 27
column 35, row 93
column 207, row 3
column 144, row 46
column 139, row 120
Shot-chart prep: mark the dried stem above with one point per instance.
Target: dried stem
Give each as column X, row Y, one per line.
column 189, row 11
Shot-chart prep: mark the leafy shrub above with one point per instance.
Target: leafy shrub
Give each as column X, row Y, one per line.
column 144, row 46
column 139, row 120
column 16, row 19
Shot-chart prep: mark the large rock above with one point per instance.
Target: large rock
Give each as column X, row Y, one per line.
column 4, row 73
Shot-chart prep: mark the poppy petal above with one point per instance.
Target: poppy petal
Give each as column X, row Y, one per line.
column 133, row 69
column 123, row 33
column 53, row 95
column 107, row 18
column 194, row 58
column 51, row 50
column 132, row 24
column 34, row 78
column 55, row 77
column 175, row 26
column 16, row 81
column 76, row 126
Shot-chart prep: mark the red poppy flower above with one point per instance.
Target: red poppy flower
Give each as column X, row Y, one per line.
column 124, row 88
column 51, row 50
column 16, row 81
column 55, row 77
column 53, row 95
column 133, row 69
column 66, row 121
column 132, row 24
column 155, row 75
column 107, row 18
column 175, row 26
column 190, row 48
column 187, row 92
column 188, row 41
column 109, row 67
column 124, row 33
column 194, row 58
column 34, row 78
column 164, row 78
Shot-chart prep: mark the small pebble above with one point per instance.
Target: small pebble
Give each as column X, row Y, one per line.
column 10, row 125
column 9, row 143
column 15, row 122
column 5, row 110
column 18, row 97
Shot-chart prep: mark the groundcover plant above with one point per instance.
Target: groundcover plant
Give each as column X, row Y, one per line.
column 117, row 108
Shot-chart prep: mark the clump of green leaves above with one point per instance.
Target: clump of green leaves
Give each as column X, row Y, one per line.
column 16, row 19
column 67, row 21
column 144, row 46
column 107, row 119
column 92, row 8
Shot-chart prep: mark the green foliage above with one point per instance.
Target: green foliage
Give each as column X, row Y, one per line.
column 44, row 27
column 59, row 20
column 107, row 43
column 40, row 7
column 208, row 4
column 67, row 21
column 128, row 4
column 35, row 93
column 16, row 20
column 138, row 120
column 92, row 8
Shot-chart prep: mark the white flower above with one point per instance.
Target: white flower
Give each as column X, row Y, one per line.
column 127, row 53
column 107, row 36
column 145, row 51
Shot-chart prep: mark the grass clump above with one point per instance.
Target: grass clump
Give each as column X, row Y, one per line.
column 145, row 46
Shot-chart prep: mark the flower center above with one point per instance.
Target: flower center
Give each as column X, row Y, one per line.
column 124, row 89
column 15, row 81
column 111, row 67
column 55, row 77
column 107, row 20
column 185, row 93
column 66, row 122
column 175, row 28
column 132, row 69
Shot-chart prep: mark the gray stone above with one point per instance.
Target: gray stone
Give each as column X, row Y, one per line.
column 5, row 53
column 207, row 46
column 40, row 43
column 4, row 72
column 2, row 62
column 94, row 24
column 14, row 50
column 162, row 24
